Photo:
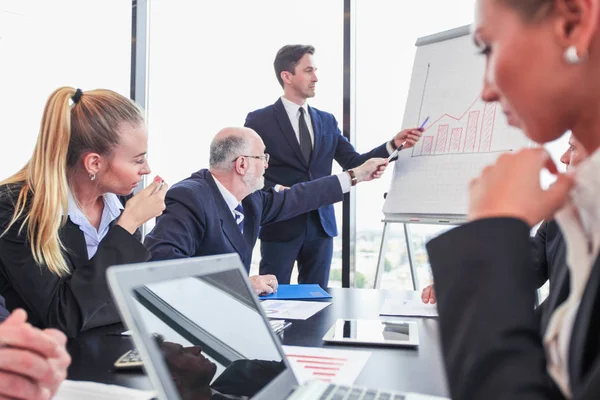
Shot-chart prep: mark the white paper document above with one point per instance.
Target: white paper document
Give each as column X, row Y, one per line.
column 408, row 308
column 77, row 390
column 329, row 365
column 292, row 309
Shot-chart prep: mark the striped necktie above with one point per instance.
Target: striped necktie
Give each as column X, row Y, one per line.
column 239, row 217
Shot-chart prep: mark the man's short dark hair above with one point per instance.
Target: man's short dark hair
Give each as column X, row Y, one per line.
column 288, row 57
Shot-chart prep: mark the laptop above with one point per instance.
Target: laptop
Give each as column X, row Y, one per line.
column 202, row 334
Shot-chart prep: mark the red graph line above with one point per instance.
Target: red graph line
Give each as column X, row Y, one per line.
column 451, row 116
column 320, row 362
column 321, row 368
column 324, row 374
column 316, row 357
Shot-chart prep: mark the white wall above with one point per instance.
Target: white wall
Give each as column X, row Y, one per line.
column 47, row 44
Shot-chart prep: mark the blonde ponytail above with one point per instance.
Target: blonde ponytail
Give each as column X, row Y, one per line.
column 44, row 179
column 66, row 133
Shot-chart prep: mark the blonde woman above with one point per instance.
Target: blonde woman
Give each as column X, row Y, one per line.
column 63, row 217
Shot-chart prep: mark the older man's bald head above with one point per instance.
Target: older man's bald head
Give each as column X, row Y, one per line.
column 230, row 143
column 242, row 132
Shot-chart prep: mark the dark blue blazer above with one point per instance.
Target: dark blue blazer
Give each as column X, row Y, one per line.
column 198, row 222
column 288, row 167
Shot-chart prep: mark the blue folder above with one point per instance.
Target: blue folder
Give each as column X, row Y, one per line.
column 298, row 292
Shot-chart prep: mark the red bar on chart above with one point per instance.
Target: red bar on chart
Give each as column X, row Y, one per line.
column 487, row 127
column 455, row 137
column 471, row 132
column 427, row 145
column 442, row 138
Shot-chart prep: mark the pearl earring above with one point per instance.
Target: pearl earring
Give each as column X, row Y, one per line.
column 92, row 177
column 571, row 56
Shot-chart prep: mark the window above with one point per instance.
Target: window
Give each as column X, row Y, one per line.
column 382, row 77
column 212, row 62
column 48, row 44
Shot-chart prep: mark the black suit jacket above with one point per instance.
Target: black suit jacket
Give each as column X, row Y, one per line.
column 288, row 167
column 550, row 256
column 491, row 338
column 73, row 303
column 198, row 222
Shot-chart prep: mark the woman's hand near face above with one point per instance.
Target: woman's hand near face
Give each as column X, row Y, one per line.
column 145, row 205
column 511, row 188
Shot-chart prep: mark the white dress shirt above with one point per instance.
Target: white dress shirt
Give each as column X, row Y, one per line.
column 229, row 198
column 293, row 111
column 112, row 210
column 579, row 220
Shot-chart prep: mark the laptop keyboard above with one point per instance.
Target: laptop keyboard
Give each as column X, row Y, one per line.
column 339, row 392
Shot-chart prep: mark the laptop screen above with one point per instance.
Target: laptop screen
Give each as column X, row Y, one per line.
column 213, row 340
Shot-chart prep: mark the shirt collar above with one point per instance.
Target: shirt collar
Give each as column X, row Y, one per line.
column 229, row 198
column 579, row 220
column 292, row 108
column 584, row 195
column 112, row 204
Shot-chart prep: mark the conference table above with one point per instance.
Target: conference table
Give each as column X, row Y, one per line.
column 411, row 370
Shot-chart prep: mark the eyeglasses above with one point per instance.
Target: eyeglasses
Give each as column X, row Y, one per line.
column 266, row 157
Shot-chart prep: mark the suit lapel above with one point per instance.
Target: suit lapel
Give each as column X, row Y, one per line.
column 584, row 342
column 286, row 127
column 228, row 224
column 316, row 124
column 77, row 251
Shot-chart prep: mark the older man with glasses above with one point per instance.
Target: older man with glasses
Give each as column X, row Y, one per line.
column 221, row 209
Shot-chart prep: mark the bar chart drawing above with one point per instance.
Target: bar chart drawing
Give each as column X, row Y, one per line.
column 427, row 144
column 471, row 131
column 462, row 134
column 455, row 140
column 487, row 128
column 445, row 135
column 442, row 137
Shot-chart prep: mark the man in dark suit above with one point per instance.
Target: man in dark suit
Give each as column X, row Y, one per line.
column 303, row 142
column 221, row 210
column 549, row 253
